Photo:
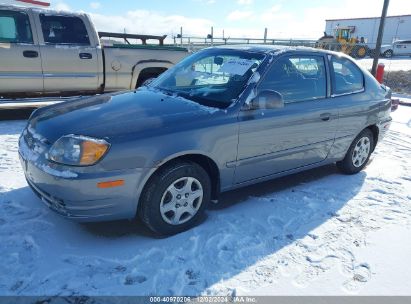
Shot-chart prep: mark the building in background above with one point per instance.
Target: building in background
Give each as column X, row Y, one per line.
column 31, row 3
column 396, row 28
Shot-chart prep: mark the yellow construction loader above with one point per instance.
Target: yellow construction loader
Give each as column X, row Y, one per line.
column 343, row 41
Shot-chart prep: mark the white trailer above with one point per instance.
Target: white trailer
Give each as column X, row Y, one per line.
column 366, row 29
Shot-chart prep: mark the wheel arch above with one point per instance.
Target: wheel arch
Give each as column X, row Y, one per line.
column 204, row 161
column 143, row 66
column 375, row 132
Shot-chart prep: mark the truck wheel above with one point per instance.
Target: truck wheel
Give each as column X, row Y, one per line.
column 148, row 81
column 145, row 79
column 358, row 154
column 388, row 54
column 147, row 75
column 175, row 198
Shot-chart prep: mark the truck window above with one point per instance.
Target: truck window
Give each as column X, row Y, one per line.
column 64, row 30
column 15, row 27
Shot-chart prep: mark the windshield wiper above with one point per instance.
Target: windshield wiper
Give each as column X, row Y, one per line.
column 164, row 90
column 194, row 98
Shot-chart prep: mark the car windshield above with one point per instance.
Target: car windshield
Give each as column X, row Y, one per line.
column 214, row 77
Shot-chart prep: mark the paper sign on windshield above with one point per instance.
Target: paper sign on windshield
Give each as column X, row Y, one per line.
column 236, row 66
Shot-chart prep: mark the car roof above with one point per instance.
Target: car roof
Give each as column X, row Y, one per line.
column 271, row 49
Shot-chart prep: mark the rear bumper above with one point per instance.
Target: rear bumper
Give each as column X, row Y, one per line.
column 76, row 196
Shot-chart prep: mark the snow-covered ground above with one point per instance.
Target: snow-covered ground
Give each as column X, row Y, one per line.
column 401, row 63
column 317, row 232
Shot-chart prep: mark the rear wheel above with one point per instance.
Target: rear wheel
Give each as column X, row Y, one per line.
column 358, row 154
column 147, row 75
column 388, row 54
column 148, row 81
column 175, row 198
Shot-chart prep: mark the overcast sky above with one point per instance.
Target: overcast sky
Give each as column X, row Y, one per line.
column 238, row 18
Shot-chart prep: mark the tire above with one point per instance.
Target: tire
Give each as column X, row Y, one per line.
column 356, row 158
column 360, row 52
column 166, row 206
column 148, row 81
column 388, row 54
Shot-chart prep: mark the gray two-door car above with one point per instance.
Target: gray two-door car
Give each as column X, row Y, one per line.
column 222, row 118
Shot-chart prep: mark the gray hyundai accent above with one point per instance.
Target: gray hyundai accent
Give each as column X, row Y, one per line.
column 223, row 118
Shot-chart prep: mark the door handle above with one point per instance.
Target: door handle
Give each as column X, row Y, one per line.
column 30, row 54
column 325, row 116
column 85, row 56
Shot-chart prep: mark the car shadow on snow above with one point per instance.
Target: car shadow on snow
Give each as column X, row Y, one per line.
column 248, row 225
column 226, row 200
column 270, row 187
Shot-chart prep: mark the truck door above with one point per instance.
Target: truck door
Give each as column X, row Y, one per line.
column 20, row 61
column 70, row 60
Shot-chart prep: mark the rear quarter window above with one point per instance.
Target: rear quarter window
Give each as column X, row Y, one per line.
column 347, row 77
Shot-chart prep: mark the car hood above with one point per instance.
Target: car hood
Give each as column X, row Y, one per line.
column 116, row 115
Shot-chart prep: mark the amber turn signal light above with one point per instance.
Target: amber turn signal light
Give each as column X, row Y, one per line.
column 91, row 152
column 111, row 184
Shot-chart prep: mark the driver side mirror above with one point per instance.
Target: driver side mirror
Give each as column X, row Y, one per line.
column 267, row 99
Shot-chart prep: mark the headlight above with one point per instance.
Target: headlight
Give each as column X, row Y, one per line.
column 77, row 150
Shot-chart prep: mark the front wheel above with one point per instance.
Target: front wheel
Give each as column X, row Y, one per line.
column 358, row 154
column 175, row 198
column 360, row 52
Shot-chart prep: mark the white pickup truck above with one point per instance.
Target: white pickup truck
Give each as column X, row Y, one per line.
column 45, row 52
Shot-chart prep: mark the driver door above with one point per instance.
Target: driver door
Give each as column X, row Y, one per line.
column 299, row 134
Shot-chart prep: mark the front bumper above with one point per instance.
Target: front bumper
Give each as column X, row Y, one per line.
column 75, row 195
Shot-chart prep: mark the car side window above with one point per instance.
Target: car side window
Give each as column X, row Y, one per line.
column 347, row 77
column 297, row 78
column 64, row 30
column 15, row 27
